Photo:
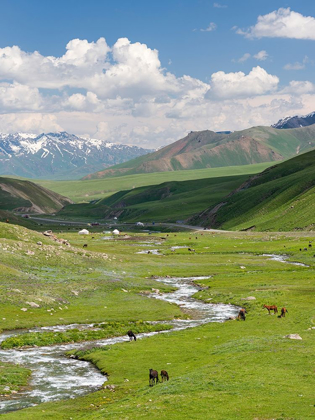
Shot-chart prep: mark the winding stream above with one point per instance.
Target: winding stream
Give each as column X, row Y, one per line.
column 55, row 376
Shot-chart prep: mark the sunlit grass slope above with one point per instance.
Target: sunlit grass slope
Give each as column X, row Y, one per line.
column 88, row 190
column 281, row 198
column 167, row 202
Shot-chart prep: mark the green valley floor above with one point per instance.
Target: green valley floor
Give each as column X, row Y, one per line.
column 230, row 370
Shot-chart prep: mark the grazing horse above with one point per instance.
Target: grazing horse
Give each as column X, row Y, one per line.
column 241, row 314
column 164, row 375
column 84, row 245
column 131, row 335
column 271, row 308
column 283, row 312
column 153, row 377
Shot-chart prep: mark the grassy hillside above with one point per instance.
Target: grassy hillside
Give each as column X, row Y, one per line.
column 280, row 198
column 167, row 202
column 27, row 197
column 80, row 191
column 232, row 370
column 206, row 149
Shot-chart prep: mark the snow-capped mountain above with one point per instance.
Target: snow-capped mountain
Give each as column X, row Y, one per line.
column 296, row 121
column 59, row 155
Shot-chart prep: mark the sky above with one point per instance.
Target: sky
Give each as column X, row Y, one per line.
column 146, row 73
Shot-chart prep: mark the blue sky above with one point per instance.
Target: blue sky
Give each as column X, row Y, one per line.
column 182, row 65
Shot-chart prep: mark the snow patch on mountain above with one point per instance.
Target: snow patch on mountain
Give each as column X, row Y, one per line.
column 295, row 121
column 49, row 155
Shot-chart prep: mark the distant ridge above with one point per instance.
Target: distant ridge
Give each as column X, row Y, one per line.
column 296, row 121
column 207, row 149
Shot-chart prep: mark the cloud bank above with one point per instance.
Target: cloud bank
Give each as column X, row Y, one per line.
column 123, row 94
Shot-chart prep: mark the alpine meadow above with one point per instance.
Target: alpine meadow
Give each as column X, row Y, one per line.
column 157, row 202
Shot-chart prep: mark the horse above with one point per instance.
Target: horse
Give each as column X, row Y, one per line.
column 271, row 308
column 241, row 314
column 84, row 245
column 153, row 377
column 283, row 312
column 131, row 335
column 164, row 376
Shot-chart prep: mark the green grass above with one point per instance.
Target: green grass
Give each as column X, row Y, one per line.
column 106, row 330
column 233, row 370
column 12, row 378
column 16, row 193
column 80, row 191
column 166, row 202
column 282, row 198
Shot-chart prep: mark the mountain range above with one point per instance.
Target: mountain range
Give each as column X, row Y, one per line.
column 59, row 155
column 296, row 121
column 207, row 149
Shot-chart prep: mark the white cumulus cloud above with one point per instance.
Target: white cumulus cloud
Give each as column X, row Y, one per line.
column 298, row 88
column 122, row 93
column 236, row 85
column 282, row 23
column 15, row 96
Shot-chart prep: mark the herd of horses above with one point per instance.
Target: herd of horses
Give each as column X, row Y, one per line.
column 153, row 374
column 274, row 308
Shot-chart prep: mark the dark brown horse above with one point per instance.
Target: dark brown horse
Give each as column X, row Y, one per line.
column 153, row 377
column 241, row 314
column 164, row 375
column 271, row 308
column 131, row 335
column 283, row 312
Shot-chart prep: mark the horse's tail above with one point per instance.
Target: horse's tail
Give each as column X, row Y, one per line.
column 135, row 338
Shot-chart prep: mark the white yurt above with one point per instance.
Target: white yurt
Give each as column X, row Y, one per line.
column 116, row 232
column 83, row 232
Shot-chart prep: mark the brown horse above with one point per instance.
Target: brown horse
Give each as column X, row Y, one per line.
column 164, row 375
column 283, row 312
column 241, row 314
column 271, row 308
column 153, row 377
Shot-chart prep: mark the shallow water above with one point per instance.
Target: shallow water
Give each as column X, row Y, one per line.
column 55, row 376
column 150, row 251
column 283, row 259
